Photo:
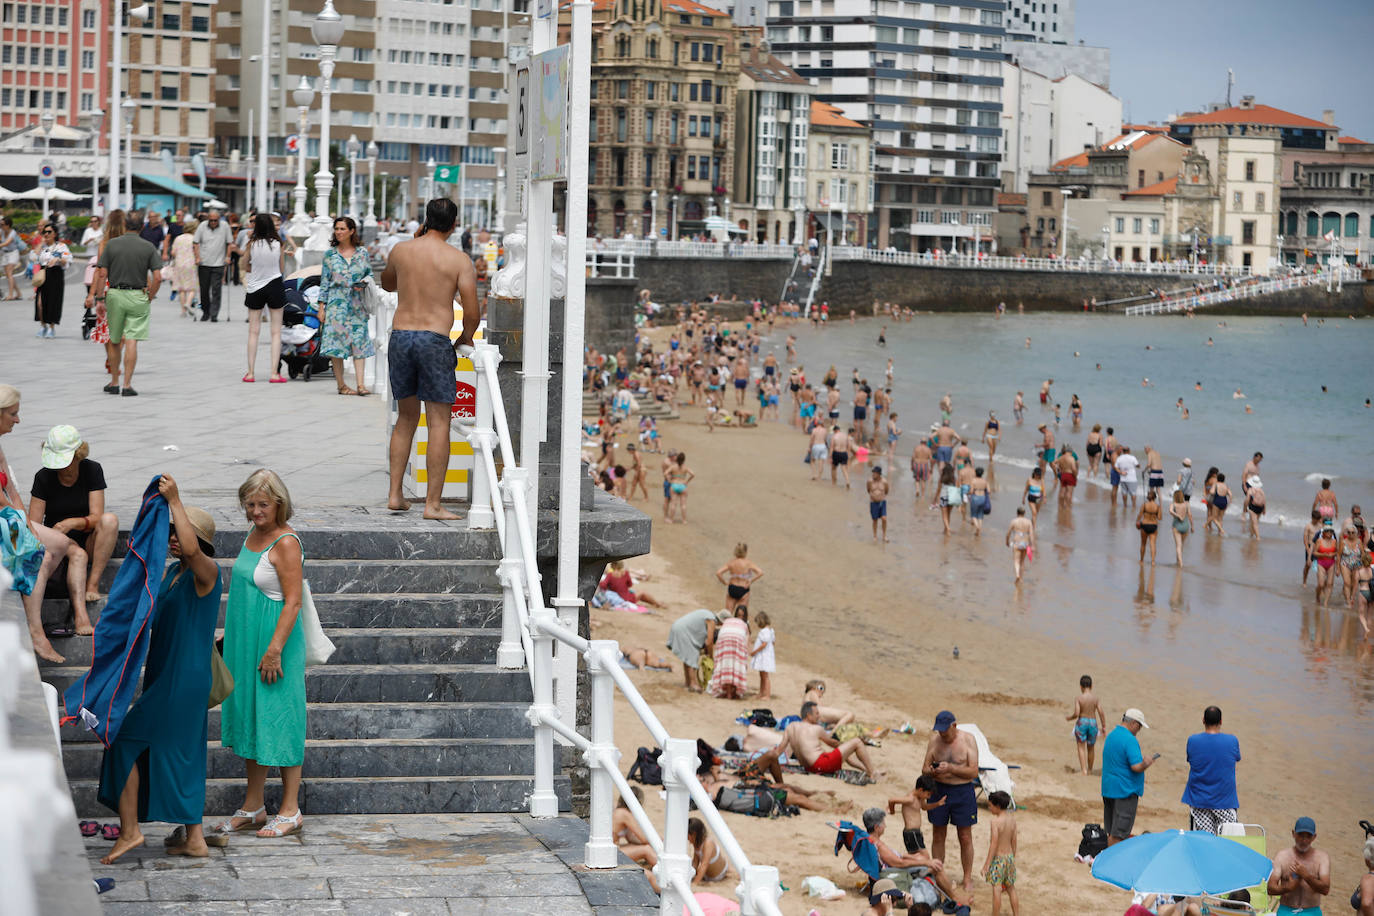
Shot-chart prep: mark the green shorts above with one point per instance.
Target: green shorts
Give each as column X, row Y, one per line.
column 126, row 312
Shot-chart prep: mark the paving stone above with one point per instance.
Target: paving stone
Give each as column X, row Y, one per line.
column 518, row 906
column 415, row 906
column 296, row 907
column 150, row 908
column 193, row 887
column 616, row 887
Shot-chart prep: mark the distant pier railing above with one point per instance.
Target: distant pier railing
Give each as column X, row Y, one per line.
column 1247, row 290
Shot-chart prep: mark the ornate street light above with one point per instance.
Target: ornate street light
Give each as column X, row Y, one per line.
column 354, row 148
column 46, row 122
column 370, row 221
column 97, row 119
column 327, row 28
column 303, row 95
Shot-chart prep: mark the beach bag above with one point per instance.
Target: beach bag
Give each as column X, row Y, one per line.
column 706, row 666
column 20, row 551
column 371, row 297
column 743, row 798
column 763, row 718
column 646, row 768
column 318, row 646
column 1093, row 842
column 39, row 275
column 221, row 679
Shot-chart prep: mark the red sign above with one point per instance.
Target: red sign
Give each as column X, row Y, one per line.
column 465, row 402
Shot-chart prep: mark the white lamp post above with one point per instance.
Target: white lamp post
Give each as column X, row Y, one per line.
column 672, row 230
column 338, row 200
column 430, row 166
column 327, row 30
column 303, row 95
column 500, row 151
column 97, row 119
column 370, row 221
column 653, row 214
column 46, row 122
column 128, row 106
column 353, row 147
column 1106, row 240
column 1064, row 223
column 264, row 199
column 405, row 200
column 136, row 14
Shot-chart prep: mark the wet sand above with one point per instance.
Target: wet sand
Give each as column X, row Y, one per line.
column 880, row 623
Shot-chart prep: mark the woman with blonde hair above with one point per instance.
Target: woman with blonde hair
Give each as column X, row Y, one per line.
column 738, row 576
column 185, row 280
column 264, row 718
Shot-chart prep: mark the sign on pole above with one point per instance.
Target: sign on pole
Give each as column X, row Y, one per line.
column 552, row 78
column 448, row 174
column 522, row 111
column 293, row 143
column 47, row 175
column 544, row 9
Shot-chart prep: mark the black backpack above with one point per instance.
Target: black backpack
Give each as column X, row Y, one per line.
column 1093, row 842
column 763, row 718
column 646, row 768
column 746, row 798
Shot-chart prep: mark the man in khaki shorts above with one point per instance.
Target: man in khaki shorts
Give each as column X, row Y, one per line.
column 129, row 273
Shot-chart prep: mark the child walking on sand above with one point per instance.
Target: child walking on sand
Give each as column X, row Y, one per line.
column 1000, row 868
column 912, row 804
column 1088, row 722
column 761, row 656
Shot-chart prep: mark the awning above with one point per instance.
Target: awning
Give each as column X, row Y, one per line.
column 828, row 220
column 171, row 184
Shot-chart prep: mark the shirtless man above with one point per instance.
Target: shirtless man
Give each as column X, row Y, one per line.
column 1302, row 874
column 1154, row 468
column 820, row 450
column 696, row 379
column 1047, row 453
column 741, row 377
column 807, row 741
column 1066, row 468
column 921, row 467
column 861, row 414
column 832, row 403
column 791, row 347
column 428, row 275
column 877, row 501
column 952, row 758
column 841, row 446
column 1251, row 470
column 1045, row 391
column 945, row 439
column 1018, row 407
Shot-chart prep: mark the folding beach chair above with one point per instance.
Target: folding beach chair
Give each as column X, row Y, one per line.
column 1253, row 836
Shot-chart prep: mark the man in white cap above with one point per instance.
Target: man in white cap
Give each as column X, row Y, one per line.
column 1123, row 776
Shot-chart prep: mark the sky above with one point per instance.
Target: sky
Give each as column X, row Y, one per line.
column 1171, row 56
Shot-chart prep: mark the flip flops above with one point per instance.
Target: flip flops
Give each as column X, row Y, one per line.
column 89, row 828
column 109, row 832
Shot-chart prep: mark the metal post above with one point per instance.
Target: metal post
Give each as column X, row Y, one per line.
column 129, row 107
column 676, row 858
column 653, row 217
column 327, row 28
column 757, row 880
column 601, row 851
column 264, row 78
column 248, row 170
column 370, row 219
column 116, row 90
column 303, row 95
column 353, row 147
column 543, row 800
column 480, row 513
column 672, row 231
column 46, row 121
column 1064, row 224
column 511, row 653
column 97, row 119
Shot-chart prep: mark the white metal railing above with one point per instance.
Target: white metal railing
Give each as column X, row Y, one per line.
column 823, row 253
column 1247, row 290
column 530, row 631
column 35, row 806
column 619, row 264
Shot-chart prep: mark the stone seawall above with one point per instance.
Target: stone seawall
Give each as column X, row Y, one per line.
column 855, row 284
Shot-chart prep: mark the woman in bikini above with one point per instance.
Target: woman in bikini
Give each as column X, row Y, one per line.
column 1094, row 449
column 1076, row 412
column 992, row 431
column 1325, row 552
column 1147, row 520
column 738, row 576
column 1254, row 503
column 679, row 475
column 1182, row 521
column 1216, row 506
column 709, row 864
column 1032, row 493
column 832, row 378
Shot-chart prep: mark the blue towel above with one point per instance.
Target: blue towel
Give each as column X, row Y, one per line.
column 861, row 848
column 102, row 697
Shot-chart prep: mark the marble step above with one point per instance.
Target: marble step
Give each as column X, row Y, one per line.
column 399, row 721
column 357, row 758
column 385, row 683
column 363, row 795
column 328, row 577
column 368, row 646
column 358, row 609
column 373, row 539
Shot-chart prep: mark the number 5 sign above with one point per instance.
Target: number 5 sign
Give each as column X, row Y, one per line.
column 522, row 111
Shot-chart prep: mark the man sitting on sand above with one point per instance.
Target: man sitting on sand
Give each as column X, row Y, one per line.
column 875, row 822
column 806, row 740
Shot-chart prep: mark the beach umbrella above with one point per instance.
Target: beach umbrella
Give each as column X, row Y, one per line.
column 1185, row 863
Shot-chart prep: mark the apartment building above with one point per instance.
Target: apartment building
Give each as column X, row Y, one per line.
column 927, row 79
column 840, row 176
column 773, row 122
column 1041, row 38
column 1046, row 119
column 1329, row 193
column 52, row 58
column 170, row 64
column 664, row 78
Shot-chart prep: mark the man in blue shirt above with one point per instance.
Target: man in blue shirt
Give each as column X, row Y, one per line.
column 1123, row 776
column 1211, row 789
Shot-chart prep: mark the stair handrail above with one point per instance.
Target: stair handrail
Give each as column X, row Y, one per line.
column 815, row 280
column 529, row 628
column 1246, row 291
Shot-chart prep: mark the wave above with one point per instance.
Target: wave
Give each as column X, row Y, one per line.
column 1318, row 478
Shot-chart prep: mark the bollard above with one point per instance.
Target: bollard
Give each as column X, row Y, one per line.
column 677, row 857
column 601, row 851
column 565, row 660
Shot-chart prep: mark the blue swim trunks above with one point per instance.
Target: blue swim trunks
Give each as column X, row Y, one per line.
column 877, row 510
column 741, row 383
column 960, row 807
column 422, row 364
column 860, row 412
column 1086, row 730
column 944, row 453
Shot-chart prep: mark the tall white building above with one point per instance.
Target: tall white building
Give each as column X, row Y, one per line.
column 926, row 78
column 1038, row 20
column 1045, row 120
column 1042, row 39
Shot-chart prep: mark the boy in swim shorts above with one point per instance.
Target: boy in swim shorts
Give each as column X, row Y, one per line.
column 1000, row 868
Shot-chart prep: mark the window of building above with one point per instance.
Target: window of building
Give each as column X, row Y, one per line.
column 839, row 155
column 621, row 125
column 1136, row 225
column 87, row 59
column 171, row 22
column 1047, row 198
column 87, row 19
column 1249, row 170
column 1238, row 200
column 1352, row 225
column 691, row 167
column 1154, row 227
column 692, row 92
column 622, row 89
column 692, row 126
column 951, row 217
column 169, row 94
column 1247, row 232
column 1312, row 224
column 1053, row 223
column 674, row 90
column 649, row 127
column 672, row 127
column 1121, row 224
column 650, row 90
column 695, row 52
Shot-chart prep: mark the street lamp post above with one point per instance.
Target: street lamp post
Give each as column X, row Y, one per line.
column 128, row 106
column 327, row 30
column 354, row 148
column 264, row 199
column 653, row 214
column 1064, row 223
column 136, row 14
column 428, row 185
column 46, row 122
column 338, row 204
column 500, row 190
column 97, row 119
column 370, row 221
column 303, row 95
column 673, row 212
column 1106, row 240
column 405, row 200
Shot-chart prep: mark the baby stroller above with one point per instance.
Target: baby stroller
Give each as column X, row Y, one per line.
column 301, row 337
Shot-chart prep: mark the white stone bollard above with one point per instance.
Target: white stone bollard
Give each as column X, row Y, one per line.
column 601, row 851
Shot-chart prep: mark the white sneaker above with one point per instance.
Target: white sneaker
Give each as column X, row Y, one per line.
column 42, row 332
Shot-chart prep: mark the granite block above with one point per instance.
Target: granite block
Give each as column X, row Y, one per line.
column 414, row 906
column 172, row 908
column 190, row 888
column 470, row 886
column 616, row 887
column 617, row 910
column 518, row 906
column 381, row 576
column 297, row 907
column 408, row 646
column 452, row 794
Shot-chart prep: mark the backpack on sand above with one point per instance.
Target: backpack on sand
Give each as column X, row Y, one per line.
column 646, row 768
column 1093, row 842
column 744, row 798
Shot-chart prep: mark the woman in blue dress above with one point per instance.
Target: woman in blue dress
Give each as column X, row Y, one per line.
column 155, row 769
column 342, row 278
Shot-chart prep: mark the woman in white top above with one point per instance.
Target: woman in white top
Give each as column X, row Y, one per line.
column 262, row 282
column 90, row 240
column 11, row 244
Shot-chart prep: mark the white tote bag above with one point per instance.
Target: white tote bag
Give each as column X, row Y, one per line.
column 318, row 646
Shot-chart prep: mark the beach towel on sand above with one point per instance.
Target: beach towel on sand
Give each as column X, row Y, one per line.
column 102, row 697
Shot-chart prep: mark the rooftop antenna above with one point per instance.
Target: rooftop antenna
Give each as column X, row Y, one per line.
column 1230, row 84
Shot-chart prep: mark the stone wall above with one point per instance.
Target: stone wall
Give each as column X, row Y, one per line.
column 610, row 321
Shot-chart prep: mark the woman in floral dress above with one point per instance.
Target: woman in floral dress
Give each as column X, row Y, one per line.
column 185, row 279
column 342, row 279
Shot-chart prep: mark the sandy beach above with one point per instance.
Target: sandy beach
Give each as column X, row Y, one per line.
column 880, row 623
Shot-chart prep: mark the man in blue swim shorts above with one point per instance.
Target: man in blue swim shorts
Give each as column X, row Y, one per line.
column 877, row 501
column 1302, row 873
column 429, row 275
column 952, row 759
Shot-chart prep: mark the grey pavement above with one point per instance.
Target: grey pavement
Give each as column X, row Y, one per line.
column 193, row 418
column 421, row 864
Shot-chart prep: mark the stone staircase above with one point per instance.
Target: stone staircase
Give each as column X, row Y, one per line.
column 647, row 406
column 411, row 715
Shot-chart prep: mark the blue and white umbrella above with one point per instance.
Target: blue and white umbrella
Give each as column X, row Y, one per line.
column 1185, row 863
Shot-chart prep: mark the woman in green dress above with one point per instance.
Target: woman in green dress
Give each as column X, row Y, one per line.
column 264, row 718
column 343, row 275
column 155, row 769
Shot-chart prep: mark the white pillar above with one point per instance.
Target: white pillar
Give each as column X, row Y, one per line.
column 263, row 199
column 677, row 857
column 324, row 178
column 116, row 91
column 543, row 800
column 480, row 513
column 511, row 653
column 601, row 850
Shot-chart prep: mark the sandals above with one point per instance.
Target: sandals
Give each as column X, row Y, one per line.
column 178, row 838
column 227, row 826
column 109, row 832
column 278, row 380
column 363, row 392
column 344, row 389
column 249, row 378
column 89, row 828
column 280, row 826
